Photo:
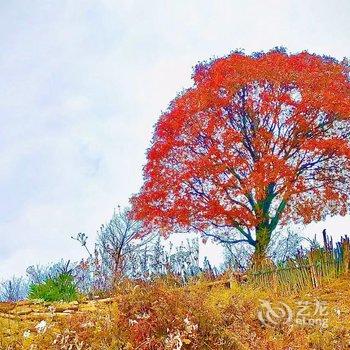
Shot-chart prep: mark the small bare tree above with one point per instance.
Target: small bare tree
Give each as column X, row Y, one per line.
column 13, row 289
column 118, row 240
column 237, row 256
column 118, row 243
column 284, row 246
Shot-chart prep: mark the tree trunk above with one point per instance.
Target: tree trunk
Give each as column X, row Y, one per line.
column 263, row 237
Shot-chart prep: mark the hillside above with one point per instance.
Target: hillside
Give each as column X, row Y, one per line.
column 201, row 315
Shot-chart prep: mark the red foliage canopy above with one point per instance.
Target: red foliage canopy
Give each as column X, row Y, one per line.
column 258, row 140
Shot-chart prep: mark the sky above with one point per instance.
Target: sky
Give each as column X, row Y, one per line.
column 82, row 85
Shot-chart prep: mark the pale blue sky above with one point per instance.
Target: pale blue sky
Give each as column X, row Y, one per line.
column 83, row 83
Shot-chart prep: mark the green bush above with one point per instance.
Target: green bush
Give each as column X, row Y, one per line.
column 60, row 288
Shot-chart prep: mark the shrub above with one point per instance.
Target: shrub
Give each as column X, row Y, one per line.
column 60, row 288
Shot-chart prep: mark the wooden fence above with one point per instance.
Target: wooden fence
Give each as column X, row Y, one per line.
column 307, row 269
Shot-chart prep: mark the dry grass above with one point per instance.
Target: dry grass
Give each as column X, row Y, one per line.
column 163, row 316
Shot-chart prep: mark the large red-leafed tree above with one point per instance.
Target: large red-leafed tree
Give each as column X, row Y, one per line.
column 257, row 141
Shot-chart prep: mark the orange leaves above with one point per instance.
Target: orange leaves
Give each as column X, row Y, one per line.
column 269, row 170
column 333, row 146
column 248, row 124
